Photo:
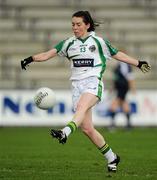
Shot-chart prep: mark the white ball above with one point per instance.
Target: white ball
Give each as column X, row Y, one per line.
column 44, row 98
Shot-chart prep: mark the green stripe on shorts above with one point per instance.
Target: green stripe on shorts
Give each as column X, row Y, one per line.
column 99, row 94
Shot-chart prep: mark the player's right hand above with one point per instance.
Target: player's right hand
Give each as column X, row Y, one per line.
column 144, row 66
column 25, row 62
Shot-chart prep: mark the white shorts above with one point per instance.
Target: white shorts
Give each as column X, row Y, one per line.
column 88, row 85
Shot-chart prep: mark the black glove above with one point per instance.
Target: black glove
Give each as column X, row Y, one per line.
column 144, row 66
column 25, row 62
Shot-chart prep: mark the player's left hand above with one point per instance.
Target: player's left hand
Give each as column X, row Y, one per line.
column 144, row 66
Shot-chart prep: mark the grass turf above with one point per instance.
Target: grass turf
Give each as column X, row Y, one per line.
column 31, row 154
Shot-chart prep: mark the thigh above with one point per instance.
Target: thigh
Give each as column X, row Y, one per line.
column 87, row 101
column 75, row 94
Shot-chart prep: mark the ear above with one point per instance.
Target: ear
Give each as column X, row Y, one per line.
column 88, row 26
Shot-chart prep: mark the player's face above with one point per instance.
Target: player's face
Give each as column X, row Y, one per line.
column 79, row 27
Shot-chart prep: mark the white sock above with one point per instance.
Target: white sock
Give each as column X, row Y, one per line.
column 110, row 156
column 66, row 130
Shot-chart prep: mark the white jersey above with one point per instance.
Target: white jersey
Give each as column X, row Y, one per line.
column 88, row 56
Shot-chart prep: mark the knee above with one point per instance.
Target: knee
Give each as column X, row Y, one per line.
column 81, row 107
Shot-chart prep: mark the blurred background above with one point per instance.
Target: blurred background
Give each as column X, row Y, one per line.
column 28, row 27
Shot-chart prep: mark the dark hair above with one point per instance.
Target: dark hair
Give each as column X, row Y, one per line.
column 86, row 19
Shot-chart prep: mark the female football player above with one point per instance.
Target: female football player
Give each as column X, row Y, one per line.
column 88, row 54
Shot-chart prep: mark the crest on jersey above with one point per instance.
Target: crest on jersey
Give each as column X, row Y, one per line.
column 92, row 48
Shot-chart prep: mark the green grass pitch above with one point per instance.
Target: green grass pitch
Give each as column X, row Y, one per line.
column 31, row 154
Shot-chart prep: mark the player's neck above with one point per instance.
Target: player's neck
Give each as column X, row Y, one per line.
column 85, row 35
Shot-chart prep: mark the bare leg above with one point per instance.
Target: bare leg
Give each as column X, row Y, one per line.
column 86, row 102
column 89, row 130
column 115, row 104
column 96, row 138
column 126, row 110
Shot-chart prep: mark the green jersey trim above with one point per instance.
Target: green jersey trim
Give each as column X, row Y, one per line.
column 59, row 46
column 113, row 51
column 102, row 57
column 70, row 57
column 83, row 40
column 98, row 65
column 70, row 44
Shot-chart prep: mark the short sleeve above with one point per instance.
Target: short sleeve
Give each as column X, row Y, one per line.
column 60, row 48
column 113, row 51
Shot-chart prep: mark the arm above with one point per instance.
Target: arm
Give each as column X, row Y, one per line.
column 120, row 56
column 143, row 65
column 45, row 55
column 39, row 57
